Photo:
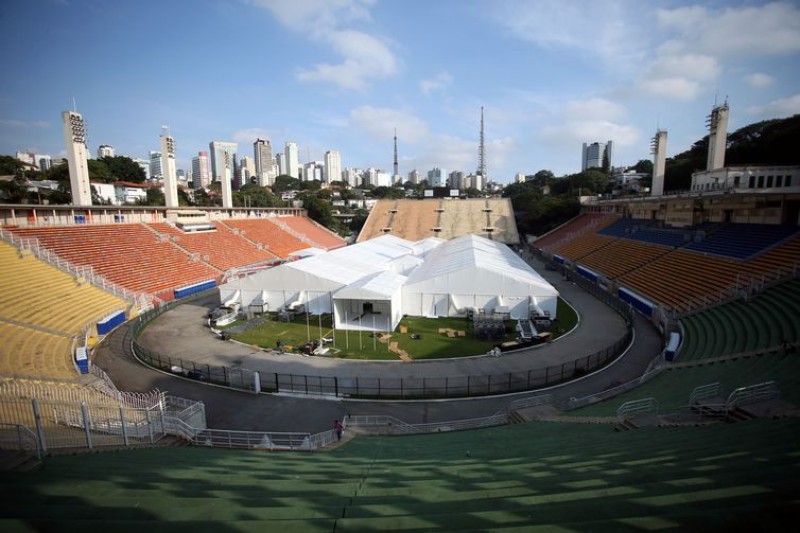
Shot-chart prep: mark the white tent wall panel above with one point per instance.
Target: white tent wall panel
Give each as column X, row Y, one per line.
column 284, row 286
column 427, row 298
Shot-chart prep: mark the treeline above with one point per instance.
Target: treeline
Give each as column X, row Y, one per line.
column 770, row 142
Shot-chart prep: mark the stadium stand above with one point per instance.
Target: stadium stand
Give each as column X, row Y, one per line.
column 583, row 223
column 554, row 476
column 672, row 387
column 622, row 256
column 221, row 248
column 446, row 219
column 742, row 241
column 264, row 232
column 582, row 245
column 41, row 296
column 29, row 352
column 316, row 235
column 765, row 322
column 130, row 255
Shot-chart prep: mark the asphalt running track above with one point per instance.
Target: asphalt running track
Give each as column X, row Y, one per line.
column 181, row 333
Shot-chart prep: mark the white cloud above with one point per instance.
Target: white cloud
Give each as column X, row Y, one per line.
column 680, row 76
column 364, row 57
column 589, row 120
column 316, row 15
column 593, row 109
column 437, row 83
column 783, row 107
column 381, row 122
column 608, row 29
column 772, row 28
column 759, row 80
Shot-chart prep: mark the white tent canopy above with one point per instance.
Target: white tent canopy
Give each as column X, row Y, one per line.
column 471, row 272
column 388, row 277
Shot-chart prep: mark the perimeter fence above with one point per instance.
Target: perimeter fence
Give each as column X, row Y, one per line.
column 456, row 386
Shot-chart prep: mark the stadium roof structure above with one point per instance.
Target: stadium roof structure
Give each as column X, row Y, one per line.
column 388, row 277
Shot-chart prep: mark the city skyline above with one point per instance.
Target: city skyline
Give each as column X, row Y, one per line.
column 344, row 75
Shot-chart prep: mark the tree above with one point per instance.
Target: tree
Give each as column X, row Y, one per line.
column 543, row 177
column 644, row 166
column 10, row 166
column 388, row 192
column 313, row 185
column 284, row 183
column 122, row 168
column 12, row 192
column 319, row 211
column 253, row 195
column 98, row 171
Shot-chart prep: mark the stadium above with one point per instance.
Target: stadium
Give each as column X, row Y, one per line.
column 671, row 405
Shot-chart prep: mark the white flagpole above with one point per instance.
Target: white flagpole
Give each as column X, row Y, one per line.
column 360, row 344
column 374, row 335
column 346, row 332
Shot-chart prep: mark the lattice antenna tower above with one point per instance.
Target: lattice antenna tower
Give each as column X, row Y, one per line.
column 482, row 151
column 396, row 173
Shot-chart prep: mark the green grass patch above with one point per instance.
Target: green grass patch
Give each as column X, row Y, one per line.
column 363, row 345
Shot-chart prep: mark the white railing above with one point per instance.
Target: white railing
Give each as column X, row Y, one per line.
column 638, row 407
column 704, row 392
column 533, row 401
column 394, row 425
column 655, row 367
column 19, row 437
column 752, row 394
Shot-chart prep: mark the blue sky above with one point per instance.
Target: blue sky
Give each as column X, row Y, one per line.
column 342, row 74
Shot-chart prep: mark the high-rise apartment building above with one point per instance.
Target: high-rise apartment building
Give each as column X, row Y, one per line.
column 77, row 157
column 414, row 176
column 201, row 176
column 597, row 155
column 333, row 166
column 456, row 179
column 292, row 160
column 105, row 150
column 265, row 164
column 247, row 168
column 280, row 160
column 437, row 177
column 144, row 164
column 315, row 170
column 156, row 167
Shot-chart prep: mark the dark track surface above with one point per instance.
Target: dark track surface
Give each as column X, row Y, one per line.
column 228, row 409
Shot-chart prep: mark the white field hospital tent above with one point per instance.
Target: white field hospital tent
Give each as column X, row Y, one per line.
column 474, row 273
column 372, row 272
column 371, row 285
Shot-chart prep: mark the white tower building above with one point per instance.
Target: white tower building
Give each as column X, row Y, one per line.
column 292, row 160
column 333, row 166
column 200, row 175
column 658, row 147
column 105, row 150
column 265, row 172
column 717, row 136
column 77, row 157
column 168, row 170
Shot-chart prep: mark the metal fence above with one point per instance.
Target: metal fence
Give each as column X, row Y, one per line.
column 389, row 387
column 60, row 420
